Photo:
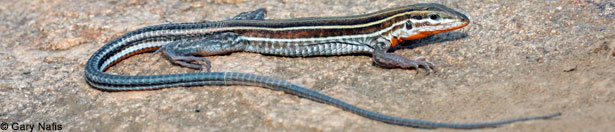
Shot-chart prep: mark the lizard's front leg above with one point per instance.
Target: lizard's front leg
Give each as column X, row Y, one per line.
column 390, row 60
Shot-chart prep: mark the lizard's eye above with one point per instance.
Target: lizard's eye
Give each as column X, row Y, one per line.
column 434, row 16
column 408, row 25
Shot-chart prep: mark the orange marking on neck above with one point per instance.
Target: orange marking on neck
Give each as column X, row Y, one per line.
column 397, row 40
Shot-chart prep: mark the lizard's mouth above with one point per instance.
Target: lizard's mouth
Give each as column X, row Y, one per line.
column 435, row 29
column 425, row 29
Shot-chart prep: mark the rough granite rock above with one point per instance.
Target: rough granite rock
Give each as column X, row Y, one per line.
column 511, row 61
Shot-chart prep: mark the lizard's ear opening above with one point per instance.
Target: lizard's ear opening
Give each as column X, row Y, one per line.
column 409, row 25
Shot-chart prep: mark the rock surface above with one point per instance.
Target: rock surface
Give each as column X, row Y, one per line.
column 515, row 59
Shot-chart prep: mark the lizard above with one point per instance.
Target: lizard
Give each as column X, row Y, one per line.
column 188, row 43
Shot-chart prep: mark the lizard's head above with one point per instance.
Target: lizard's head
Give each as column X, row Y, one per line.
column 428, row 19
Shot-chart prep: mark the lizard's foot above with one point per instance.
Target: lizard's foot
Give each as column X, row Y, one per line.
column 258, row 14
column 422, row 62
column 186, row 61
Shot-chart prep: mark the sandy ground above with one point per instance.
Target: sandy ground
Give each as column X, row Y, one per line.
column 515, row 59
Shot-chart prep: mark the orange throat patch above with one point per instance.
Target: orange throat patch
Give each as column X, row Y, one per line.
column 397, row 40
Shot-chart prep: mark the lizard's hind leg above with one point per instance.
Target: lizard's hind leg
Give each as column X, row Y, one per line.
column 258, row 14
column 184, row 52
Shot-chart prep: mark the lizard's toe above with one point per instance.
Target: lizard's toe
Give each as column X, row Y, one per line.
column 187, row 61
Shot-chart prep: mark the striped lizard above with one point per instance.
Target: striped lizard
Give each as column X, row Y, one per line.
column 186, row 44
